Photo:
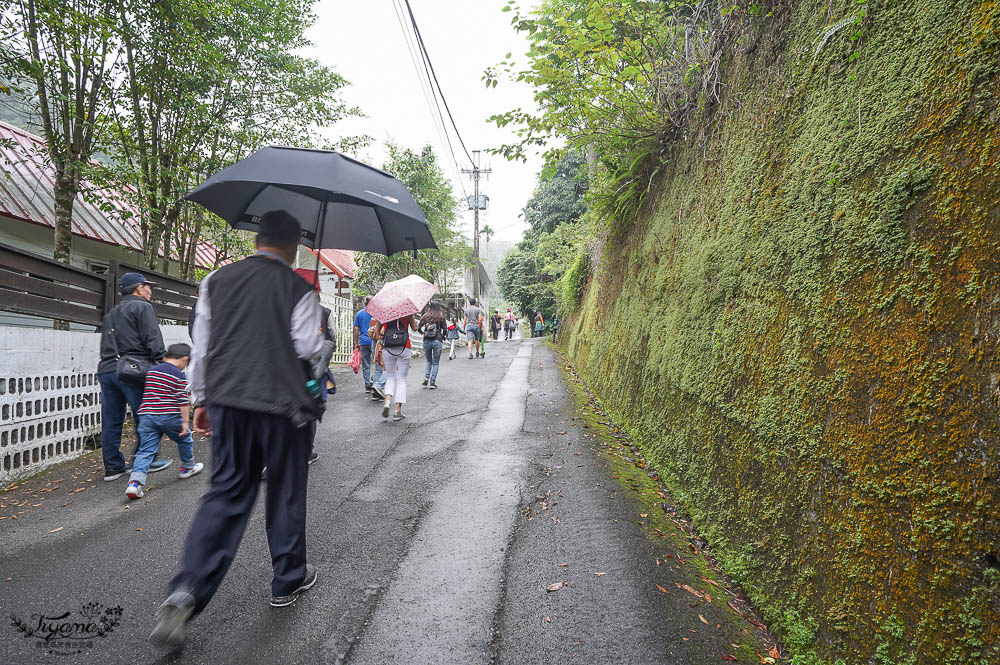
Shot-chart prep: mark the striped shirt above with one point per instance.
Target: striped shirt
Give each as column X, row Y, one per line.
column 166, row 391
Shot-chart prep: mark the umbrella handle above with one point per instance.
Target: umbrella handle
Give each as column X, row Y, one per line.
column 320, row 223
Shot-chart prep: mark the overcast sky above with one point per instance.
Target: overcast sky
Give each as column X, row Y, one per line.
column 364, row 43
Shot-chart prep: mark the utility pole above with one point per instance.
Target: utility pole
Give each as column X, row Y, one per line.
column 475, row 173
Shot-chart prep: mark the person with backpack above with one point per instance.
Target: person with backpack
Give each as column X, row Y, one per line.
column 432, row 325
column 539, row 324
column 495, row 324
column 508, row 325
column 395, row 355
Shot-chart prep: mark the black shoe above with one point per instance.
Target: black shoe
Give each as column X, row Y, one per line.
column 172, row 618
column 377, row 393
column 433, row 386
column 368, row 389
column 115, row 475
column 313, row 457
column 425, row 382
column 307, row 583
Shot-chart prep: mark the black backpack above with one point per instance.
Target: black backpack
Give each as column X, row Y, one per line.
column 432, row 330
column 395, row 336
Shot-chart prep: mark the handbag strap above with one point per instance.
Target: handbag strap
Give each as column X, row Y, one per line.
column 114, row 335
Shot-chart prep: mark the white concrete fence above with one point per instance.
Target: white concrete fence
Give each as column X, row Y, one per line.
column 50, row 400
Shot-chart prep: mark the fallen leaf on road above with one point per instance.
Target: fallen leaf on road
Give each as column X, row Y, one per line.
column 138, row 529
column 689, row 589
column 707, row 597
column 9, row 579
column 600, row 574
column 55, row 530
column 774, row 652
column 643, row 514
column 662, row 589
column 563, row 565
column 765, row 660
column 555, row 587
column 548, row 620
column 703, row 619
column 729, row 657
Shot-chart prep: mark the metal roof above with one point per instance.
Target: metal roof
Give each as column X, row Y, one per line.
column 26, row 182
column 340, row 261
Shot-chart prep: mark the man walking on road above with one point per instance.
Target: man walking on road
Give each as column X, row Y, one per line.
column 130, row 329
column 362, row 342
column 257, row 408
column 472, row 327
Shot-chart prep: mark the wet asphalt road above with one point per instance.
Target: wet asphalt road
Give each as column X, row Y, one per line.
column 418, row 528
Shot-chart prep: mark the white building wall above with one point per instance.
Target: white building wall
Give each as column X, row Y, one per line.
column 50, row 400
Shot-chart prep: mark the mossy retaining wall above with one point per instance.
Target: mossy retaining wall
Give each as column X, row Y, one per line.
column 803, row 328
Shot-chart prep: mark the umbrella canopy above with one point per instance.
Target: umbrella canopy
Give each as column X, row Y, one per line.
column 401, row 298
column 340, row 202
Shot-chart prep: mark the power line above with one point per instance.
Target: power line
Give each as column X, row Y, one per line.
column 427, row 89
column 423, row 48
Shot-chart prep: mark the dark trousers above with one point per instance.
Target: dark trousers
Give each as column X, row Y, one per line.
column 243, row 443
column 115, row 396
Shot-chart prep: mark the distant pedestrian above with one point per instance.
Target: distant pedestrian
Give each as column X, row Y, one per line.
column 165, row 410
column 257, row 327
column 378, row 368
column 395, row 356
column 539, row 325
column 452, row 338
column 509, row 321
column 555, row 328
column 495, row 323
column 432, row 325
column 129, row 329
column 473, row 331
column 362, row 342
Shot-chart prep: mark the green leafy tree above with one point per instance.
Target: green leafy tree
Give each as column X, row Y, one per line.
column 529, row 276
column 206, row 84
column 66, row 55
column 423, row 177
column 615, row 77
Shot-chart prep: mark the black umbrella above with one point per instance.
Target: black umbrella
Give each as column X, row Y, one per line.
column 340, row 202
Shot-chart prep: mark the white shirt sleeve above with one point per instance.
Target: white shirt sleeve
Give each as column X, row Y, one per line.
column 306, row 319
column 201, row 332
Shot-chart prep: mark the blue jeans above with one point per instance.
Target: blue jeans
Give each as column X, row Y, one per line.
column 378, row 376
column 366, row 363
column 151, row 429
column 115, row 396
column 432, row 350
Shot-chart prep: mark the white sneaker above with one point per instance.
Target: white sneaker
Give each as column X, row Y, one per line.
column 399, row 415
column 187, row 472
column 134, row 490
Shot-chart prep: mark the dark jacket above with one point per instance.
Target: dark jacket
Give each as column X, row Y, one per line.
column 137, row 332
column 250, row 360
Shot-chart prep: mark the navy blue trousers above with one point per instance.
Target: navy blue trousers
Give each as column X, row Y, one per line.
column 243, row 443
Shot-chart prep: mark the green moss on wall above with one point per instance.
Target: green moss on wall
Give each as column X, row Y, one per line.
column 803, row 330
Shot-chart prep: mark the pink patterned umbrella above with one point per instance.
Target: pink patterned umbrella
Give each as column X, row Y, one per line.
column 401, row 298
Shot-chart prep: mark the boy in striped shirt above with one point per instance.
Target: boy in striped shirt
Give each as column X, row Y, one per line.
column 165, row 409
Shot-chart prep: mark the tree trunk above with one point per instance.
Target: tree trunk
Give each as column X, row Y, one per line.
column 64, row 192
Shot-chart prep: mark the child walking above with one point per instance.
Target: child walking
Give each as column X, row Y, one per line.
column 165, row 409
column 452, row 337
